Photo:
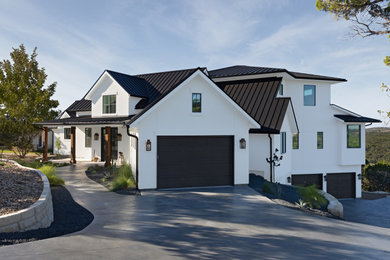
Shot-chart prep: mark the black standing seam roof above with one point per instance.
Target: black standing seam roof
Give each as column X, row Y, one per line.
column 80, row 105
column 357, row 119
column 243, row 70
column 86, row 120
column 258, row 98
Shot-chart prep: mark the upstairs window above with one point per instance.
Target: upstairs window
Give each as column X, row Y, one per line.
column 320, row 140
column 196, row 102
column 109, row 104
column 66, row 133
column 353, row 136
column 283, row 142
column 295, row 141
column 280, row 90
column 88, row 137
column 309, row 95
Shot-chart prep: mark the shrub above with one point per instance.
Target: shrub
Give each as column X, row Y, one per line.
column 376, row 177
column 312, row 197
column 50, row 172
column 269, row 188
column 122, row 178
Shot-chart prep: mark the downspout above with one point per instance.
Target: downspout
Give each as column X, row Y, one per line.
column 136, row 154
column 270, row 157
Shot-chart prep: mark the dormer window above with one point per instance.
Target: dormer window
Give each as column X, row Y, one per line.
column 196, row 102
column 109, row 104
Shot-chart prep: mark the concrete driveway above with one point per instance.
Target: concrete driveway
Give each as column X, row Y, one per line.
column 217, row 223
column 371, row 212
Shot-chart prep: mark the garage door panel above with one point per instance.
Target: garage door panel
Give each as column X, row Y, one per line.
column 190, row 161
column 341, row 185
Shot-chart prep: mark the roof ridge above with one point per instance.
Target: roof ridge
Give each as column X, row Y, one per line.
column 168, row 71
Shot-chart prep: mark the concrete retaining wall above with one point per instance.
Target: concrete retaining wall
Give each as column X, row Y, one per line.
column 38, row 215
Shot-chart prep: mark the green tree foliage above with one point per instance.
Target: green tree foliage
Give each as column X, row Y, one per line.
column 24, row 100
column 377, row 145
column 376, row 177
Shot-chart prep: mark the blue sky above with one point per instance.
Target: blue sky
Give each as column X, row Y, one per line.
column 77, row 40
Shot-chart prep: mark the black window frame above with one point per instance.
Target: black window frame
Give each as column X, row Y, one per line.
column 196, row 105
column 297, row 142
column 320, row 145
column 88, row 138
column 111, row 106
column 314, row 96
column 283, row 143
column 67, row 133
column 360, row 137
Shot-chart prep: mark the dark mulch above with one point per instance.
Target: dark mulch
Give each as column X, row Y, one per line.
column 98, row 176
column 288, row 197
column 69, row 217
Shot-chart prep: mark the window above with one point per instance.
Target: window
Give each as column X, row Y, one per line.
column 309, row 95
column 88, row 137
column 295, row 141
column 66, row 133
column 353, row 136
column 320, row 140
column 109, row 104
column 283, row 142
column 280, row 91
column 196, row 102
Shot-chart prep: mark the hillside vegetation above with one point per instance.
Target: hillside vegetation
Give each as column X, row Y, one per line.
column 378, row 144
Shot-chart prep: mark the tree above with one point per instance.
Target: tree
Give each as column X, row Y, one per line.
column 24, row 100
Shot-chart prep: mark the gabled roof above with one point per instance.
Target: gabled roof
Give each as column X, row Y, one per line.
column 80, row 105
column 133, row 85
column 258, row 98
column 242, row 70
column 357, row 119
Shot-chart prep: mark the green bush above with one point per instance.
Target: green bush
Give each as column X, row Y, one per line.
column 50, row 172
column 312, row 197
column 269, row 188
column 122, row 178
column 38, row 164
column 376, row 177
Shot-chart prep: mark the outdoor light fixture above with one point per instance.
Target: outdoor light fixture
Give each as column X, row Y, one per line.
column 325, row 177
column 119, row 137
column 148, row 145
column 242, row 143
column 359, row 176
column 96, row 136
column 289, row 179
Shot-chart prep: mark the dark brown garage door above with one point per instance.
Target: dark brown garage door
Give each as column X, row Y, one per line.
column 307, row 180
column 341, row 185
column 194, row 161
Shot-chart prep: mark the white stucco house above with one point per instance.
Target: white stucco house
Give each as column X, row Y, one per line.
column 196, row 127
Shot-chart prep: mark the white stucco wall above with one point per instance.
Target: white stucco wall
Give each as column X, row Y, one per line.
column 173, row 116
column 258, row 152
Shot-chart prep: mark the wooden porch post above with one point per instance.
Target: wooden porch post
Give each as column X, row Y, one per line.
column 45, row 130
column 108, row 146
column 73, row 144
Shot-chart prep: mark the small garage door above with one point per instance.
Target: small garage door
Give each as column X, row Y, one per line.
column 341, row 185
column 194, row 161
column 307, row 180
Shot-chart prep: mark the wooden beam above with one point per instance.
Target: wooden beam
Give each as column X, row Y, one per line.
column 108, row 146
column 45, row 158
column 73, row 144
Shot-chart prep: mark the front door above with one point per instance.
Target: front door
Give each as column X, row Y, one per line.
column 114, row 144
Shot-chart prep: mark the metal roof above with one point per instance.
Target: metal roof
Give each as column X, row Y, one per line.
column 80, row 105
column 242, row 70
column 133, row 85
column 258, row 98
column 86, row 120
column 357, row 119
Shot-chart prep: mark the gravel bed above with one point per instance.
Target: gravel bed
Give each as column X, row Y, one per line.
column 20, row 188
column 98, row 177
column 69, row 217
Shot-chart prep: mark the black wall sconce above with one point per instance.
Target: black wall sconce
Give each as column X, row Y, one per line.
column 289, row 179
column 359, row 176
column 119, row 137
column 148, row 145
column 242, row 143
column 325, row 177
column 96, row 136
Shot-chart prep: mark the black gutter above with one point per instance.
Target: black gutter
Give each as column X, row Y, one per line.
column 270, row 157
column 136, row 149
